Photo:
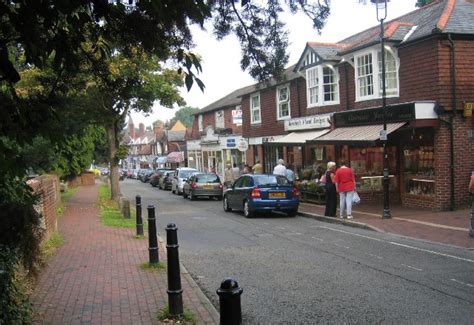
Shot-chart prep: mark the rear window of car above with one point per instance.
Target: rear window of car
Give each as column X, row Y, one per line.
column 271, row 180
column 185, row 173
column 207, row 178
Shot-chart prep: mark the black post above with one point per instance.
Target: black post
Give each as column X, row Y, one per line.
column 152, row 237
column 471, row 228
column 229, row 302
column 175, row 293
column 138, row 204
column 386, row 184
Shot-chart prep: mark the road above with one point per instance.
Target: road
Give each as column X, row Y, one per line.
column 299, row 270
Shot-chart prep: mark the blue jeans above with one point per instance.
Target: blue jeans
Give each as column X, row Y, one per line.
column 345, row 203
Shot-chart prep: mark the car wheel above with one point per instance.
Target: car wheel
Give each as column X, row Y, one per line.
column 172, row 190
column 219, row 197
column 191, row 196
column 226, row 205
column 185, row 196
column 247, row 212
column 292, row 213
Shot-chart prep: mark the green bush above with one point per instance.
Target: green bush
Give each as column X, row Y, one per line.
column 14, row 304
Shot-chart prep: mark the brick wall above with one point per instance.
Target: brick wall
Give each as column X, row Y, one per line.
column 47, row 187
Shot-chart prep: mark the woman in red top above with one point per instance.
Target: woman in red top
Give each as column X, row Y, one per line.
column 345, row 185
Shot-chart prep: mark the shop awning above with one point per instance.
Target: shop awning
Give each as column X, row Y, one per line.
column 175, row 157
column 366, row 134
column 161, row 160
column 299, row 137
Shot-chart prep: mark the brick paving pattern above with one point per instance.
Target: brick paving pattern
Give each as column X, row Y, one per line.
column 95, row 276
column 448, row 227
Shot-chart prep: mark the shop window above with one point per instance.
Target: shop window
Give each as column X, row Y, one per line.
column 419, row 171
column 367, row 164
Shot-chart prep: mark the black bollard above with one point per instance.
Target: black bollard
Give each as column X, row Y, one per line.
column 229, row 302
column 138, row 203
column 152, row 237
column 175, row 293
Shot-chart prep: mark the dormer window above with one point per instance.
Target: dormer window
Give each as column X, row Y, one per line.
column 322, row 84
column 369, row 74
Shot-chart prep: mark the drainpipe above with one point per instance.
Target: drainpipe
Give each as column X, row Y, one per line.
column 347, row 87
column 452, row 115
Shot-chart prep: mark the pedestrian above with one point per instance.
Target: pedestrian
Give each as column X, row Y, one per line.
column 280, row 168
column 228, row 179
column 330, row 189
column 290, row 174
column 235, row 172
column 247, row 169
column 345, row 185
column 257, row 168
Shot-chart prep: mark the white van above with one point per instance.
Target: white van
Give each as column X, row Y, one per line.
column 180, row 176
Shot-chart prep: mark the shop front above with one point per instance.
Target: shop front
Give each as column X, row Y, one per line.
column 193, row 148
column 411, row 130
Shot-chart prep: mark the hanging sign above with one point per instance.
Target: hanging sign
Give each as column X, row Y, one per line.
column 468, row 107
column 243, row 145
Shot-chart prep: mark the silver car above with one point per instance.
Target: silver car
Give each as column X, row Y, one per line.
column 203, row 184
column 180, row 176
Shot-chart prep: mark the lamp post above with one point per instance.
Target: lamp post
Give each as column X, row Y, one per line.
column 381, row 7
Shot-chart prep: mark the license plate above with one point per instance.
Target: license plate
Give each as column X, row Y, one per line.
column 276, row 195
column 208, row 187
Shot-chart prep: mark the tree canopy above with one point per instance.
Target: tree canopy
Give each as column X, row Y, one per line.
column 185, row 115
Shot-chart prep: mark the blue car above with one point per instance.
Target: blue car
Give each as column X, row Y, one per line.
column 253, row 193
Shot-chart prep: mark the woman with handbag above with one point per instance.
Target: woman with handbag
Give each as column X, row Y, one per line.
column 345, row 185
column 330, row 189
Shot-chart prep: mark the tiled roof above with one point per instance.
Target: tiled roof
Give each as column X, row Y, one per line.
column 234, row 98
column 442, row 16
column 176, row 135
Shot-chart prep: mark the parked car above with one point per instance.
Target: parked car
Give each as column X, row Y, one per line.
column 179, row 178
column 155, row 177
column 146, row 175
column 255, row 193
column 203, row 184
column 142, row 173
column 165, row 180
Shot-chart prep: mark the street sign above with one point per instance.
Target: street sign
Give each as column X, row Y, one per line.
column 383, row 135
column 243, row 145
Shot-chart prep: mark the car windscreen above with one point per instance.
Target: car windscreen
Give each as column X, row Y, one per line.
column 185, row 173
column 207, row 178
column 271, row 180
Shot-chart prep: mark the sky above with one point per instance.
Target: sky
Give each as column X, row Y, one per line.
column 221, row 60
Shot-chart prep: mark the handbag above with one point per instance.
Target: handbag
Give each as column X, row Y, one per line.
column 322, row 180
column 355, row 198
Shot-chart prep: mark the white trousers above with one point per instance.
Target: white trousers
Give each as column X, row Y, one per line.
column 345, row 203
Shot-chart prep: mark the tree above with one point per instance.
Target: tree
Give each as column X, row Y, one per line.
column 185, row 115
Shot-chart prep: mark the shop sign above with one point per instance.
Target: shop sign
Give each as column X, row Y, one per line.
column 308, row 122
column 468, row 107
column 262, row 140
column 243, row 145
column 230, row 143
column 394, row 113
column 237, row 116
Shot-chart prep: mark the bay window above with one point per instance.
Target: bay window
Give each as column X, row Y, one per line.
column 369, row 75
column 322, row 86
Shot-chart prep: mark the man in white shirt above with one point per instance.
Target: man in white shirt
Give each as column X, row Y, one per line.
column 280, row 169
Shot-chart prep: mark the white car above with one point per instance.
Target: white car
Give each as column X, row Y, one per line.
column 180, row 176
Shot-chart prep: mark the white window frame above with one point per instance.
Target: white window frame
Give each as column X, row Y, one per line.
column 255, row 109
column 220, row 119
column 315, row 86
column 281, row 102
column 376, row 74
column 200, row 123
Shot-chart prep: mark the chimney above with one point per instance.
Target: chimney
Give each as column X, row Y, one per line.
column 141, row 130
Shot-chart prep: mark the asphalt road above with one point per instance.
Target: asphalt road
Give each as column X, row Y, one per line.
column 299, row 270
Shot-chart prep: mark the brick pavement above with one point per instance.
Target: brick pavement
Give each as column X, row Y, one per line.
column 95, row 276
column 447, row 227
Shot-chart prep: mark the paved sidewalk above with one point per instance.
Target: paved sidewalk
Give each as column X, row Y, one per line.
column 449, row 227
column 95, row 276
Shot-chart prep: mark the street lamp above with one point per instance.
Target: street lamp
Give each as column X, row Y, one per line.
column 381, row 8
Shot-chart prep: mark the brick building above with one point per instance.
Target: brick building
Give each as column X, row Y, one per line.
column 216, row 135
column 329, row 106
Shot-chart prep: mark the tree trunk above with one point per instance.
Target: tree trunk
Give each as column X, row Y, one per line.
column 114, row 172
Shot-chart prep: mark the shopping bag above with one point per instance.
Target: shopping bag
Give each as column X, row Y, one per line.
column 355, row 198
